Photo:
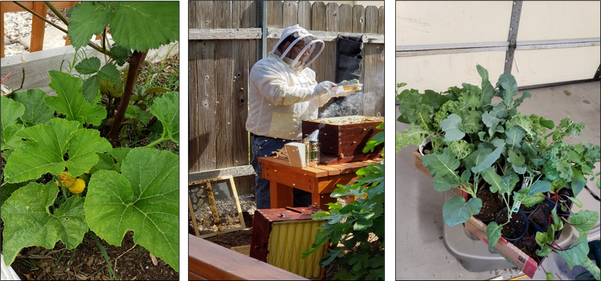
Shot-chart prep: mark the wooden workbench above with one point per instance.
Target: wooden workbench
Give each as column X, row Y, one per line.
column 320, row 181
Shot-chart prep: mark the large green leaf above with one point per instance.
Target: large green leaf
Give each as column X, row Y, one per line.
column 493, row 233
column 145, row 25
column 166, row 109
column 88, row 65
column 508, row 88
column 413, row 109
column 441, row 164
column 584, row 220
column 86, row 19
column 11, row 111
column 44, row 148
column 70, row 101
column 488, row 159
column 28, row 221
column 143, row 199
column 36, row 111
column 577, row 253
column 456, row 210
column 445, row 182
column 488, row 90
column 451, row 128
column 491, row 177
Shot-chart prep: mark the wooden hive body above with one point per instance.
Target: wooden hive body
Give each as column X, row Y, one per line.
column 279, row 237
column 344, row 142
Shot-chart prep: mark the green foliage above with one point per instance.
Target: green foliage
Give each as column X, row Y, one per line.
column 44, row 136
column 142, row 198
column 30, row 220
column 474, row 139
column 134, row 25
column 356, row 229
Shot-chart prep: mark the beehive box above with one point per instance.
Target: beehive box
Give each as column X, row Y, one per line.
column 343, row 138
column 280, row 235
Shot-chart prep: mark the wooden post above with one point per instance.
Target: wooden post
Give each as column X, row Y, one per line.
column 38, row 27
column 2, row 28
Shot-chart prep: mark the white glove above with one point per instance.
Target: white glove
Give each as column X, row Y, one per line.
column 324, row 87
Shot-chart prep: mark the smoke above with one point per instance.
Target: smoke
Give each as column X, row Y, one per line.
column 357, row 103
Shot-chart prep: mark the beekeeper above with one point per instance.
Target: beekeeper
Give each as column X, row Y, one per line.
column 282, row 93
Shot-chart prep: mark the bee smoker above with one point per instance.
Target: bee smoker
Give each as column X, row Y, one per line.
column 313, row 148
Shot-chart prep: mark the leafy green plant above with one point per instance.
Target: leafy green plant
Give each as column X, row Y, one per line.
column 356, row 230
column 61, row 177
column 477, row 143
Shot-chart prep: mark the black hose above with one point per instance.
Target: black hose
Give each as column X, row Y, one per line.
column 592, row 193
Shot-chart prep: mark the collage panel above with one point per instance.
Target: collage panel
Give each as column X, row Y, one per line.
column 286, row 106
column 90, row 140
column 497, row 176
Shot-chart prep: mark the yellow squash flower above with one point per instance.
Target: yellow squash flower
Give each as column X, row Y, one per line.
column 67, row 179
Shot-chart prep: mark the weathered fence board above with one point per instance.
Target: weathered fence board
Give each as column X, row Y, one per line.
column 222, row 49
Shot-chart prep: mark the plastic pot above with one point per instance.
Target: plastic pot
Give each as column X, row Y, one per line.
column 487, row 194
column 519, row 214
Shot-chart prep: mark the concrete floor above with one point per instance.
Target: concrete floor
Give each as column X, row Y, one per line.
column 420, row 252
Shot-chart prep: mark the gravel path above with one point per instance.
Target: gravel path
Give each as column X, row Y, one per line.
column 17, row 28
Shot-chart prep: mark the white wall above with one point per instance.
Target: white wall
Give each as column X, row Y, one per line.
column 456, row 23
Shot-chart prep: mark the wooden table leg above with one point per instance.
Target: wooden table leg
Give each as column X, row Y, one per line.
column 281, row 195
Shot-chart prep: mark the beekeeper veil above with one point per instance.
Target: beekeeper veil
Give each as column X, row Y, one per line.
column 303, row 40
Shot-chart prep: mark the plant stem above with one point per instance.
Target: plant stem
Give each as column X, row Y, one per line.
column 40, row 17
column 91, row 44
column 57, row 261
column 135, row 62
column 156, row 142
column 106, row 257
column 57, row 12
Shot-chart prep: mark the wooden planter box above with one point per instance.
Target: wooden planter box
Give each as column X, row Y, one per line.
column 506, row 249
column 209, row 261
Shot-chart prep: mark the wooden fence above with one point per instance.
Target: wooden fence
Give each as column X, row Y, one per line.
column 38, row 26
column 223, row 41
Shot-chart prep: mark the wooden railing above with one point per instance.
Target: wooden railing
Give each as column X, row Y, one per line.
column 209, row 261
column 37, row 24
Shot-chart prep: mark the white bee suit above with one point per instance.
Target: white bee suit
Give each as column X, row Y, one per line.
column 280, row 95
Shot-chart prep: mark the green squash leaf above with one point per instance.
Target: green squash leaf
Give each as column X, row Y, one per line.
column 11, row 111
column 36, row 111
column 46, row 144
column 143, row 199
column 456, row 210
column 166, row 109
column 28, row 221
column 70, row 101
